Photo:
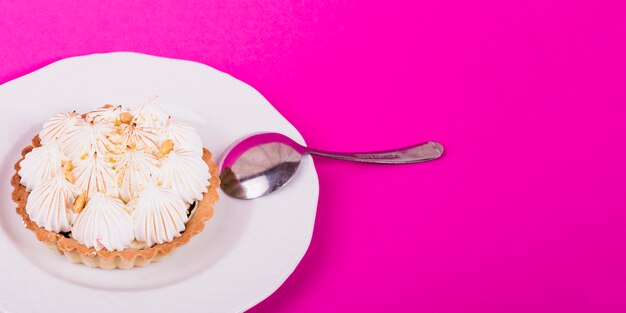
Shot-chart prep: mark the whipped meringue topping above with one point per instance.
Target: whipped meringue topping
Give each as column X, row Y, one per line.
column 109, row 162
column 149, row 115
column 159, row 215
column 57, row 126
column 87, row 138
column 107, row 114
column 183, row 136
column 104, row 223
column 136, row 170
column 185, row 173
column 96, row 174
column 40, row 164
column 50, row 204
column 140, row 137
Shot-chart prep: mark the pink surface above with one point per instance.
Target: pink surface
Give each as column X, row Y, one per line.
column 525, row 213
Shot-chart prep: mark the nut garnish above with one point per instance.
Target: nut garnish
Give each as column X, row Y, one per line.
column 126, row 117
column 80, row 202
column 69, row 177
column 67, row 165
column 67, row 171
column 166, row 147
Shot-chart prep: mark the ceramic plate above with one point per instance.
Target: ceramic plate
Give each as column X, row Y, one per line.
column 247, row 250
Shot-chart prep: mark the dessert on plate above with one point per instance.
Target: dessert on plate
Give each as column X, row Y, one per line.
column 115, row 187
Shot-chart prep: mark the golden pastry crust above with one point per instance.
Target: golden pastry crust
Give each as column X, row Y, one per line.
column 127, row 258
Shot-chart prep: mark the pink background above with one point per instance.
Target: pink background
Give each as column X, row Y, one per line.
column 525, row 213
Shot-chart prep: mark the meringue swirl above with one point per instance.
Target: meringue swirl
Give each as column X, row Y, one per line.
column 104, row 223
column 183, row 136
column 140, row 137
column 87, row 138
column 40, row 164
column 55, row 129
column 149, row 115
column 96, row 174
column 136, row 170
column 159, row 215
column 106, row 114
column 186, row 174
column 50, row 204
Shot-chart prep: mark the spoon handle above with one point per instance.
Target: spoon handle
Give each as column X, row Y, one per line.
column 418, row 153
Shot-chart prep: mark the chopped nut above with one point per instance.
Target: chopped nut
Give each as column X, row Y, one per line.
column 166, row 147
column 112, row 160
column 80, row 203
column 67, row 171
column 67, row 165
column 126, row 117
column 84, row 156
column 120, row 178
column 69, row 177
column 159, row 183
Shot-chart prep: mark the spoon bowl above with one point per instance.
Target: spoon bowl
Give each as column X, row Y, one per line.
column 258, row 165
column 262, row 163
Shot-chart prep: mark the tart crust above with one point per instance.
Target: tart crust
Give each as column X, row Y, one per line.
column 127, row 258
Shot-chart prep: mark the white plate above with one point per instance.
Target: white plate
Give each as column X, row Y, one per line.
column 247, row 250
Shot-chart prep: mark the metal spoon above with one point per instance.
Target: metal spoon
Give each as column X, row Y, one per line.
column 260, row 164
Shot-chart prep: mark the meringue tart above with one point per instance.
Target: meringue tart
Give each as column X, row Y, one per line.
column 115, row 187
